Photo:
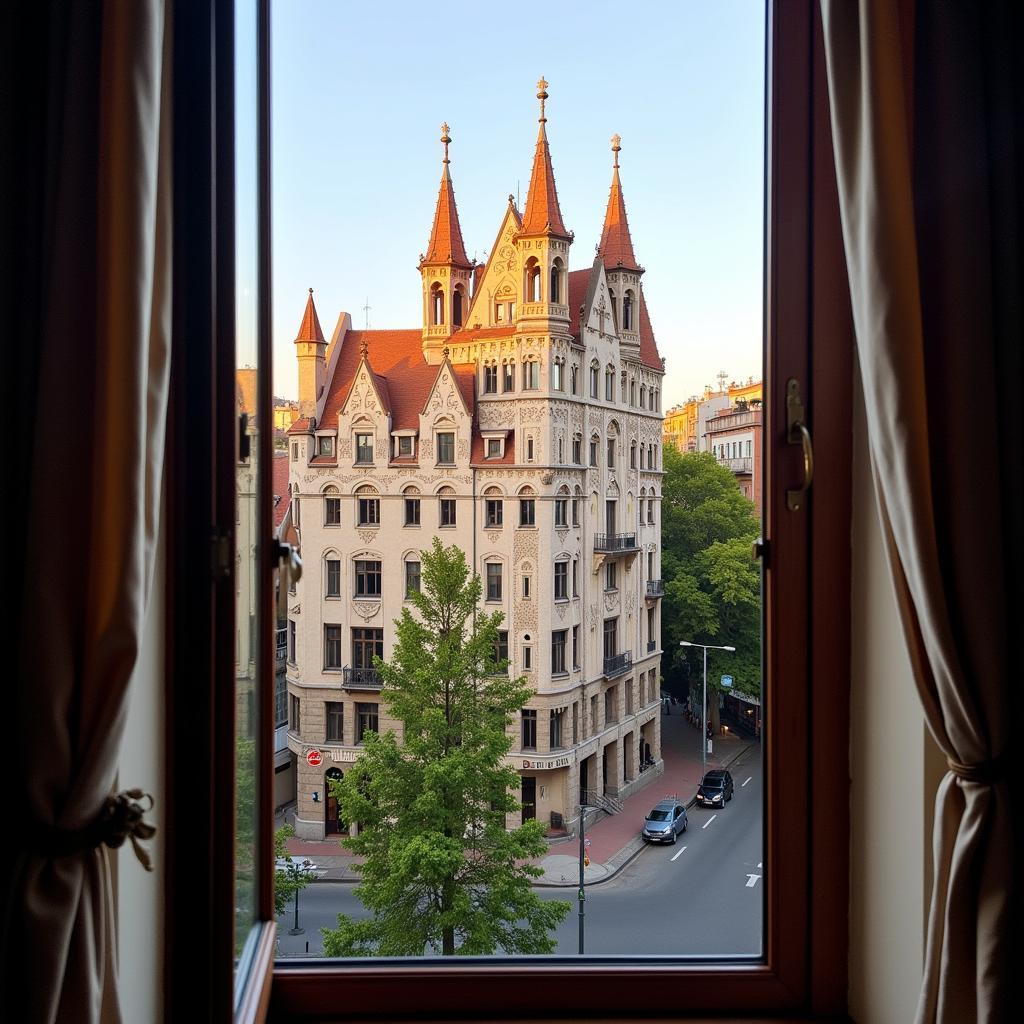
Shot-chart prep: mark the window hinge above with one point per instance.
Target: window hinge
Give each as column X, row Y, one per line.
column 220, row 555
column 759, row 550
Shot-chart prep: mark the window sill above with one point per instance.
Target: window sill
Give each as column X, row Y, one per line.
column 410, row 526
column 363, row 465
column 560, row 675
column 367, row 526
column 366, row 597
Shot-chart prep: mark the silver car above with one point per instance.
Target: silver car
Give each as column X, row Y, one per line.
column 665, row 822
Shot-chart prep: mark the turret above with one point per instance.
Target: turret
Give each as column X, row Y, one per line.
column 445, row 270
column 311, row 352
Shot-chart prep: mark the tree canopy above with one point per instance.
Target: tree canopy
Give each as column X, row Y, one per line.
column 713, row 586
column 440, row 871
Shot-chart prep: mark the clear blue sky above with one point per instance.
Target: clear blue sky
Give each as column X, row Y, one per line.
column 359, row 93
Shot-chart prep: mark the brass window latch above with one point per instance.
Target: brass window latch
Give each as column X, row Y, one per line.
column 797, row 433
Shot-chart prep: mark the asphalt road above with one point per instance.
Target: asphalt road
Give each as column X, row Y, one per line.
column 701, row 897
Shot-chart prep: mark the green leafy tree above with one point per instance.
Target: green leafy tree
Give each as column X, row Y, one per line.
column 290, row 880
column 713, row 586
column 440, row 871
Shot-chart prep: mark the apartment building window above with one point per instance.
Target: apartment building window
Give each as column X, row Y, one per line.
column 577, row 450
column 501, row 647
column 368, row 507
column 632, row 392
column 447, row 507
column 749, row 449
column 611, row 452
column 575, row 577
column 291, row 641
column 335, row 715
column 412, row 511
column 332, row 506
column 561, row 581
column 332, row 646
column 490, row 380
column 446, row 447
column 295, row 451
column 296, row 517
column 650, row 565
column 629, row 696
column 531, row 375
column 651, row 638
column 650, row 510
column 367, row 643
column 575, row 646
column 364, row 448
column 526, row 587
column 529, row 449
column 611, row 577
column 494, row 512
column 561, row 451
column 508, row 377
column 561, row 510
column 632, row 455
column 293, row 713
column 494, row 581
column 494, row 448
column 368, row 578
column 574, row 379
column 558, row 375
column 611, row 704
column 412, row 578
column 325, row 446
column 280, row 701
column 609, row 384
column 527, row 654
column 594, row 714
column 556, row 729
column 611, row 637
column 595, row 375
column 529, row 729
column 527, row 512
column 643, row 396
column 333, row 577
column 558, row 652
column 366, row 720
column 593, row 452
column 575, row 722
column 576, row 511
column 404, row 443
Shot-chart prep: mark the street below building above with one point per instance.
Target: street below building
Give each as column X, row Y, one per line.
column 701, row 897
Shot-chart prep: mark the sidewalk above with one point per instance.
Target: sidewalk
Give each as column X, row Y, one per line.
column 614, row 839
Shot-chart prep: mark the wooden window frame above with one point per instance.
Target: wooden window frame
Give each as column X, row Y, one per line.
column 803, row 974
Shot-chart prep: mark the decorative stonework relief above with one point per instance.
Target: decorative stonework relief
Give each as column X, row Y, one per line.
column 366, row 609
column 562, row 531
column 345, row 449
column 367, row 536
column 494, row 536
column 463, row 450
column 611, row 599
column 495, row 414
column 295, row 610
column 531, row 412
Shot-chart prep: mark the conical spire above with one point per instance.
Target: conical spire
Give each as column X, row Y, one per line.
column 616, row 246
column 309, row 329
column 541, row 215
column 445, row 245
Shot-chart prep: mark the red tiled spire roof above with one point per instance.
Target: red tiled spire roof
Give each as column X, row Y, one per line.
column 616, row 245
column 541, row 215
column 445, row 245
column 309, row 329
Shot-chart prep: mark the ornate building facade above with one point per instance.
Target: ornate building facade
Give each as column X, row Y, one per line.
column 521, row 421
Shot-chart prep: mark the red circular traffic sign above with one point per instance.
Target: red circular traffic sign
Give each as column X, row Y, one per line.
column 314, row 758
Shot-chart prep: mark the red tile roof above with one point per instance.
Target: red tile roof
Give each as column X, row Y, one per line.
column 300, row 426
column 541, row 214
column 616, row 245
column 471, row 334
column 578, row 281
column 648, row 346
column 396, row 357
column 323, row 460
column 477, row 455
column 309, row 329
column 282, row 497
column 445, row 245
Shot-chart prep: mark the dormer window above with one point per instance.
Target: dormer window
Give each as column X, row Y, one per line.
column 364, row 448
column 325, row 446
column 404, row 446
column 499, row 312
column 494, row 446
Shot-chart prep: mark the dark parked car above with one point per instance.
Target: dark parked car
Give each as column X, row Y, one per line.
column 665, row 822
column 715, row 789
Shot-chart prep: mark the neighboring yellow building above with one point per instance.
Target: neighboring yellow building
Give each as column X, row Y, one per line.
column 285, row 413
column 683, row 425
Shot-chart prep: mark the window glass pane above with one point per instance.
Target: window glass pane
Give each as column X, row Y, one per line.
column 631, row 523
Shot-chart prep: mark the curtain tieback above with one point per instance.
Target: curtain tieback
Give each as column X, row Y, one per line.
column 120, row 818
column 986, row 773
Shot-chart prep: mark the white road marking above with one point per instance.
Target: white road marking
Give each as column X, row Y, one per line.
column 752, row 881
column 680, row 853
column 749, row 777
column 708, row 822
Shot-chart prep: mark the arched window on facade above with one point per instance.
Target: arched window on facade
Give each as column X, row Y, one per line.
column 628, row 302
column 532, row 283
column 615, row 309
column 556, row 280
column 436, row 304
column 595, row 376
column 643, row 396
column 458, row 302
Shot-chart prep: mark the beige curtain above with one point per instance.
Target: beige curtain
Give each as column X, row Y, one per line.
column 923, row 104
column 99, row 326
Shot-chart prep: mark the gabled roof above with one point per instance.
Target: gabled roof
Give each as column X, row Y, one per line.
column 445, row 245
column 479, row 451
column 541, row 215
column 300, row 426
column 578, row 282
column 616, row 245
column 309, row 329
column 396, row 358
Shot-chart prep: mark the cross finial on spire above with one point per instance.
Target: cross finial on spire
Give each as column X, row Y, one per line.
column 310, row 291
column 616, row 146
column 542, row 95
column 445, row 138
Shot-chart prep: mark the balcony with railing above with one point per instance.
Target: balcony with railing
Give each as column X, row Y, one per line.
column 362, row 678
column 652, row 645
column 655, row 588
column 614, row 543
column 738, row 466
column 282, row 644
column 617, row 664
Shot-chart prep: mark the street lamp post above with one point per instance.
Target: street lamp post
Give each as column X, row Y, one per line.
column 704, row 702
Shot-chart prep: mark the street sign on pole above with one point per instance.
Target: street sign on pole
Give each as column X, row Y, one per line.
column 726, row 681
